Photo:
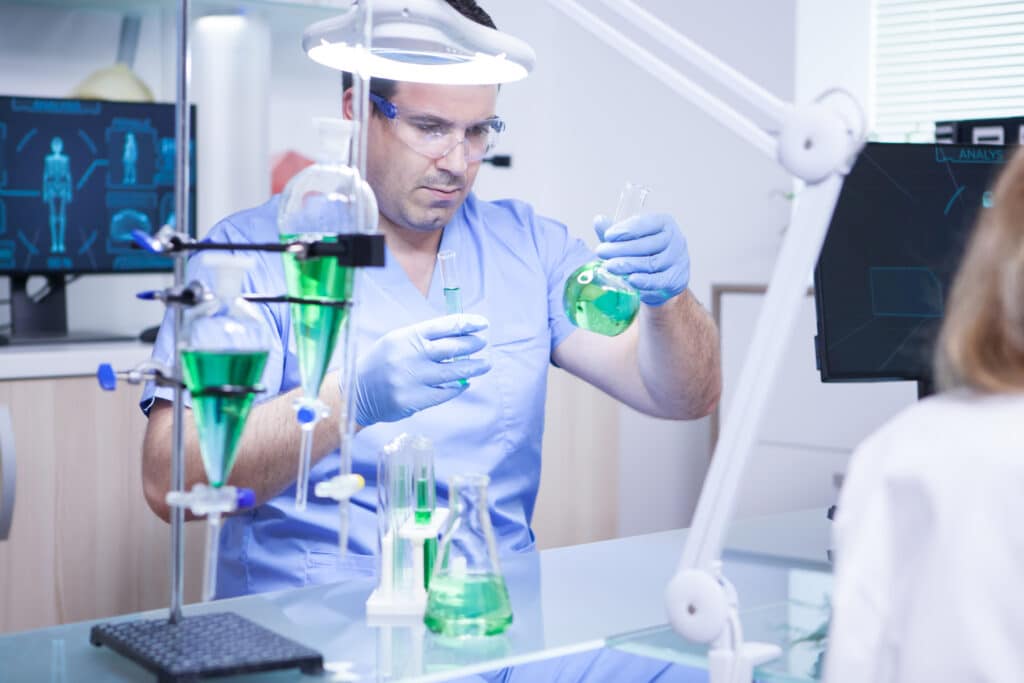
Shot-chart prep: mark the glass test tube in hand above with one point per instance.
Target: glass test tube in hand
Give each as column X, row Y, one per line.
column 450, row 282
column 597, row 300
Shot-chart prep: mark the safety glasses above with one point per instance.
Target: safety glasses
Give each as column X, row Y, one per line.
column 435, row 137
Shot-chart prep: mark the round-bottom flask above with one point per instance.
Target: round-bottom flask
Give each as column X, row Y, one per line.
column 467, row 594
column 597, row 300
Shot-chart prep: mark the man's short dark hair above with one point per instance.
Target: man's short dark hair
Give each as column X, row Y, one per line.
column 386, row 88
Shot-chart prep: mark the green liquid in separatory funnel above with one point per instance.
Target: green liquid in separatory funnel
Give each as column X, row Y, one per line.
column 316, row 327
column 220, row 419
column 592, row 306
column 470, row 605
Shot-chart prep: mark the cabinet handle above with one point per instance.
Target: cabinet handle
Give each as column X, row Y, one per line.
column 8, row 470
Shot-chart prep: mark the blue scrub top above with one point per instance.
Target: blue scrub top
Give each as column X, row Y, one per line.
column 512, row 266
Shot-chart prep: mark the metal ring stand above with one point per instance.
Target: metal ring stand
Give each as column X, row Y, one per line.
column 188, row 648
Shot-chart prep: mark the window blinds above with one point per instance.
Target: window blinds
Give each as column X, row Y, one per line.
column 939, row 60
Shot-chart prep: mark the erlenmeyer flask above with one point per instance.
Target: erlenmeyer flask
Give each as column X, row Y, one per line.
column 225, row 349
column 467, row 594
column 321, row 202
column 597, row 300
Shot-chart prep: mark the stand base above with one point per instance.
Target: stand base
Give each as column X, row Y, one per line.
column 204, row 646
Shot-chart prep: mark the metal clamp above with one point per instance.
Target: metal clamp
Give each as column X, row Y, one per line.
column 161, row 375
column 350, row 249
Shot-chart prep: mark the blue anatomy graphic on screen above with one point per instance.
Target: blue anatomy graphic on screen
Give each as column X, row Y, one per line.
column 57, row 192
column 77, row 177
column 130, row 158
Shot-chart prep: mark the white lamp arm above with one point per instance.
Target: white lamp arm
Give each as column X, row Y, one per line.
column 810, row 141
column 816, row 144
column 774, row 108
column 647, row 61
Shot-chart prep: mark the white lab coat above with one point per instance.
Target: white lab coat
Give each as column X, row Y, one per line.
column 929, row 541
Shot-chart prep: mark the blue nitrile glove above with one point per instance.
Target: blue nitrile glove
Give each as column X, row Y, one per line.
column 648, row 250
column 403, row 371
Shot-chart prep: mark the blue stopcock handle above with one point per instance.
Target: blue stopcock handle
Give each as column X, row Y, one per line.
column 147, row 295
column 107, row 377
column 146, row 241
column 246, row 498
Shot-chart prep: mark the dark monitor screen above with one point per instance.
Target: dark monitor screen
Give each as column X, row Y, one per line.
column 77, row 177
column 893, row 247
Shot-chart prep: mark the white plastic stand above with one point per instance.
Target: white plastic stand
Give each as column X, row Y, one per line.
column 385, row 600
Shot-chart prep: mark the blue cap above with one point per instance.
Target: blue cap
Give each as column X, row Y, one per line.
column 143, row 239
column 147, row 295
column 246, row 498
column 107, row 377
column 305, row 415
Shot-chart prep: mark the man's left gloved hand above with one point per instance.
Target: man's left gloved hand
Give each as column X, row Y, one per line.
column 649, row 251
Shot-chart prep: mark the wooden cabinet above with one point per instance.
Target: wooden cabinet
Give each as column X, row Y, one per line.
column 83, row 542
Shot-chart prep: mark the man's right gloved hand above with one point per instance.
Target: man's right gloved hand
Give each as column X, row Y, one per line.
column 406, row 370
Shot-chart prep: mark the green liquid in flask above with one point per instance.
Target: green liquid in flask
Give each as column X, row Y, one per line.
column 598, row 308
column 471, row 605
column 220, row 419
column 316, row 327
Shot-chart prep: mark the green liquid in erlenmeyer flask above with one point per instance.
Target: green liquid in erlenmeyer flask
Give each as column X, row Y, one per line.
column 316, row 327
column 591, row 305
column 220, row 419
column 469, row 605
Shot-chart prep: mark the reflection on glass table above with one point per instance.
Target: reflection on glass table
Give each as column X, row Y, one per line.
column 568, row 604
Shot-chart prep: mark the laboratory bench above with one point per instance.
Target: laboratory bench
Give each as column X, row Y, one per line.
column 599, row 597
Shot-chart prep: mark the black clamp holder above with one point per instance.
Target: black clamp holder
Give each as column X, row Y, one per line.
column 351, row 249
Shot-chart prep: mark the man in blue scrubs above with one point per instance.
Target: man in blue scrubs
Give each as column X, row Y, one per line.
column 425, row 149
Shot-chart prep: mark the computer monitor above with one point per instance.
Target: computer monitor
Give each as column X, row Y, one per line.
column 893, row 247
column 77, row 177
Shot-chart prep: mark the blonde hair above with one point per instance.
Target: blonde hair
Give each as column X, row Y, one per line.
column 981, row 344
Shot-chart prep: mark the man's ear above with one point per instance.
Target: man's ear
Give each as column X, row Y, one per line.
column 347, row 108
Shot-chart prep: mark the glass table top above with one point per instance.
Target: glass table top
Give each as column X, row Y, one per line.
column 602, row 598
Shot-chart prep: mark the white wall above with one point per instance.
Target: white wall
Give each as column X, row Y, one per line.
column 586, row 121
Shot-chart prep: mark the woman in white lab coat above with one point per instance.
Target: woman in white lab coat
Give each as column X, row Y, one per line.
column 929, row 534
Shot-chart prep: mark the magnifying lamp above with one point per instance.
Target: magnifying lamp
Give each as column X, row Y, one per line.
column 421, row 41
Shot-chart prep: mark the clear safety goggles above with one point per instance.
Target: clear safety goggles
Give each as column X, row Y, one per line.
column 435, row 137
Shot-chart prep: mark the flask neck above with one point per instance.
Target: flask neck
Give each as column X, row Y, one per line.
column 468, row 499
column 335, row 137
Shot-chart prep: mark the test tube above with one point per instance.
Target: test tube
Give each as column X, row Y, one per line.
column 426, row 498
column 450, row 283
